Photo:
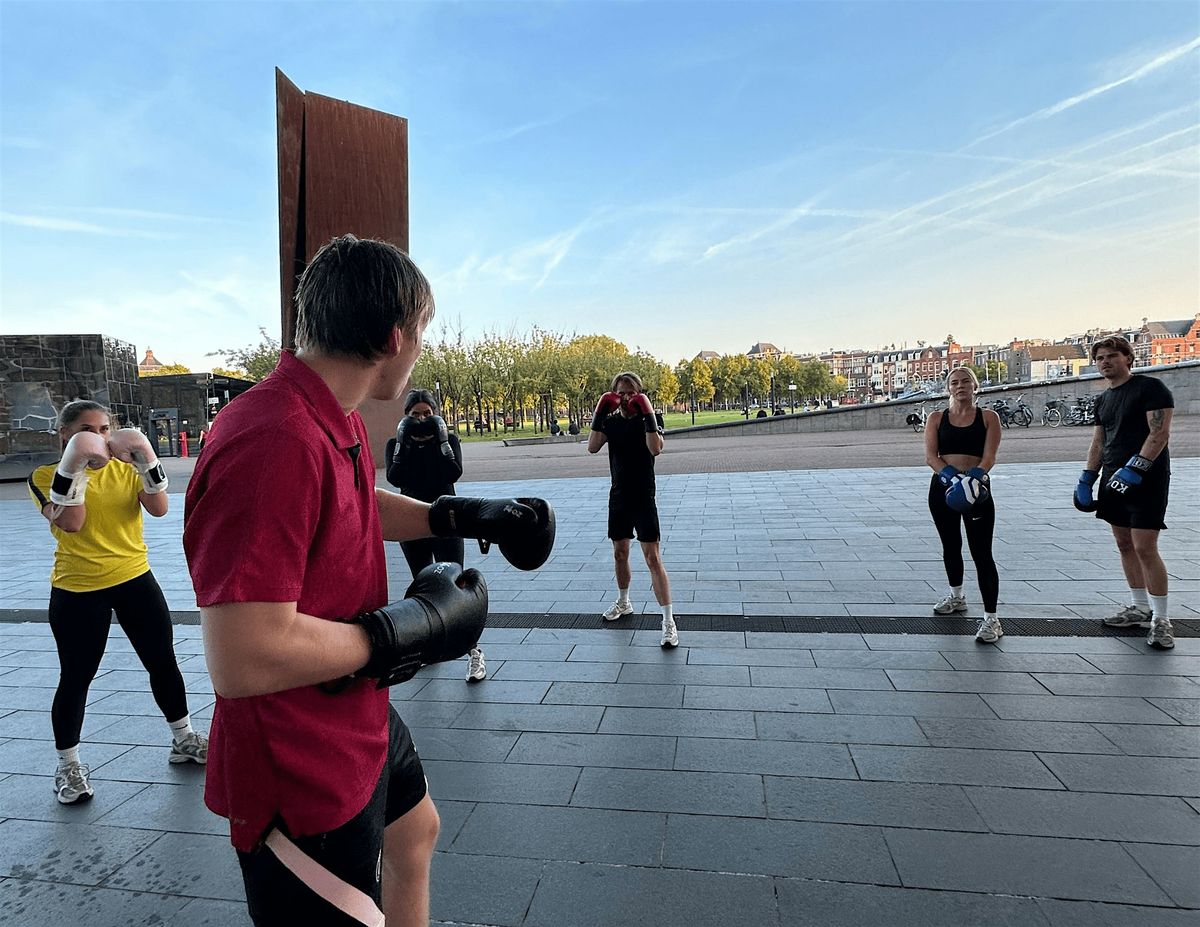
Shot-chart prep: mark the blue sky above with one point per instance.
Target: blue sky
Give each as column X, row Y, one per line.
column 681, row 176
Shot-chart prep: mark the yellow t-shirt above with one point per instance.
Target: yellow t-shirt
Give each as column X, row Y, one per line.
column 109, row 549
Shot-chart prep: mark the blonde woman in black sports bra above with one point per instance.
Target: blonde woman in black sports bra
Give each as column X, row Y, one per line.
column 960, row 447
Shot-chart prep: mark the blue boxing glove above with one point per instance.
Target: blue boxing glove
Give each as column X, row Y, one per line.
column 1083, row 491
column 985, row 482
column 946, row 477
column 1130, row 475
column 980, row 474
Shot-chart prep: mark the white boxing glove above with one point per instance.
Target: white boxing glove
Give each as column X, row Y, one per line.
column 85, row 450
column 133, row 447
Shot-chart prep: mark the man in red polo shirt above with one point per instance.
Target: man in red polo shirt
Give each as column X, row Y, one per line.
column 283, row 531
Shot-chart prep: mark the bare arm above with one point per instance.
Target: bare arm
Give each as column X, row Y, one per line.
column 256, row 648
column 68, row 518
column 596, row 441
column 1159, row 421
column 155, row 503
column 1095, row 450
column 402, row 517
column 991, row 443
column 932, row 458
column 654, row 443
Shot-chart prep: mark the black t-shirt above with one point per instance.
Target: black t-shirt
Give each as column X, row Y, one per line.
column 1121, row 412
column 629, row 460
column 421, row 471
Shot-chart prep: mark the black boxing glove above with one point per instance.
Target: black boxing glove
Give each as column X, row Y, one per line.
column 443, row 436
column 442, row 614
column 523, row 528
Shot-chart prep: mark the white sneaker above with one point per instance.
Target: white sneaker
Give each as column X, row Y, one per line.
column 192, row 749
column 989, row 630
column 617, row 610
column 476, row 667
column 670, row 634
column 1131, row 616
column 950, row 604
column 1161, row 636
column 71, row 784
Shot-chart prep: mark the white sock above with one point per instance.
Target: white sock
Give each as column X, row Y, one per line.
column 70, row 755
column 667, row 614
column 988, row 615
column 623, row 596
column 956, row 591
column 181, row 728
column 1158, row 607
column 1139, row 598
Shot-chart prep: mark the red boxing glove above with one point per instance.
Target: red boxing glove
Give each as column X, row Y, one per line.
column 608, row 404
column 639, row 404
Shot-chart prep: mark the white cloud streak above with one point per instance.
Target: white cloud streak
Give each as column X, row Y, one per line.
column 1149, row 67
column 54, row 224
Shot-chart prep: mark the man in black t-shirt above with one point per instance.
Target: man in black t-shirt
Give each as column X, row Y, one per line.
column 627, row 423
column 1129, row 456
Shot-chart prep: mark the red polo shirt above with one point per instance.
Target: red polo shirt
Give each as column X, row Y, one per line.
column 280, row 509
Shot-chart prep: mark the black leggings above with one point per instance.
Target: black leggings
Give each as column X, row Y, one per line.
column 981, row 524
column 420, row 554
column 80, row 623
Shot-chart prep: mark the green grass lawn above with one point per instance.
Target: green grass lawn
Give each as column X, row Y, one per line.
column 671, row 420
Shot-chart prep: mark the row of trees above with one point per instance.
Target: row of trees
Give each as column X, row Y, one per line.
column 531, row 378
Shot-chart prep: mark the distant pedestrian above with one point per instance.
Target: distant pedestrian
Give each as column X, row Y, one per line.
column 960, row 447
column 1130, row 457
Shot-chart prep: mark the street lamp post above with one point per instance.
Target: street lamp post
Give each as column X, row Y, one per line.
column 693, row 392
column 792, row 390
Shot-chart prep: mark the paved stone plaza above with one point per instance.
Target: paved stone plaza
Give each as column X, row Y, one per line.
column 747, row 778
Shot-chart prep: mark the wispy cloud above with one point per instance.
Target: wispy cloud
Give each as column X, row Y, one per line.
column 1149, row 67
column 789, row 218
column 532, row 262
column 148, row 214
column 54, row 224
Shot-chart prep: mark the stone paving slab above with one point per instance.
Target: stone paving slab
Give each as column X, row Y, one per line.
column 821, row 543
column 748, row 777
column 923, row 807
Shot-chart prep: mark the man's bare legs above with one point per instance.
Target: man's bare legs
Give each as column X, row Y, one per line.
column 658, row 573
column 408, row 845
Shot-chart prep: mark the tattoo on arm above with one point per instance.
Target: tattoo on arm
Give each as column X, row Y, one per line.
column 1157, row 417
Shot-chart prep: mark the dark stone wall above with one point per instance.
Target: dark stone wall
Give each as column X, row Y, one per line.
column 39, row 374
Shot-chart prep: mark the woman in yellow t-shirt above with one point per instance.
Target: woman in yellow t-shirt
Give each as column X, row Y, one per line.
column 93, row 499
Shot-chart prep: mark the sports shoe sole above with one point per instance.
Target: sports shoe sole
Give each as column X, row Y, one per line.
column 184, row 758
column 1139, row 623
column 78, row 799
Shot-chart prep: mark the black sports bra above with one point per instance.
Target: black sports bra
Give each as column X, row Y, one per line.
column 968, row 440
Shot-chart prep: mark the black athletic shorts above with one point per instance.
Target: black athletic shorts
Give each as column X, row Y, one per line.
column 627, row 514
column 1142, row 506
column 352, row 852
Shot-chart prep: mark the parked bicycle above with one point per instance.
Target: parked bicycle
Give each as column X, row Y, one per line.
column 1077, row 411
column 916, row 420
column 1002, row 410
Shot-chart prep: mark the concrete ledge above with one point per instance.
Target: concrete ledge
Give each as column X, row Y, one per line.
column 1182, row 379
column 545, row 439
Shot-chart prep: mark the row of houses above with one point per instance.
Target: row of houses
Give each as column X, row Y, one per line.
column 891, row 371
